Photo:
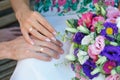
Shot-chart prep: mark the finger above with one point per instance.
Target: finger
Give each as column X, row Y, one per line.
column 39, row 36
column 47, row 51
column 16, row 29
column 49, row 45
column 58, row 43
column 41, row 29
column 42, row 56
column 26, row 36
column 44, row 22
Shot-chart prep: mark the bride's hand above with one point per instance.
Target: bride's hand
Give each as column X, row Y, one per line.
column 33, row 23
column 18, row 49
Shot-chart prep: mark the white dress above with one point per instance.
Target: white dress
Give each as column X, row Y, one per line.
column 33, row 69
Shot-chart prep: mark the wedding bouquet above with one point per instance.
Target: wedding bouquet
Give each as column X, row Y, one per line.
column 95, row 44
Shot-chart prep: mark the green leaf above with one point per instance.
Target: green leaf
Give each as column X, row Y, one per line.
column 82, row 10
column 72, row 30
column 118, row 69
column 83, row 47
column 86, row 2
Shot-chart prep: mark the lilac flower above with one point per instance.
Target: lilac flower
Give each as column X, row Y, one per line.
column 76, row 50
column 110, row 29
column 112, row 53
column 78, row 37
column 88, row 67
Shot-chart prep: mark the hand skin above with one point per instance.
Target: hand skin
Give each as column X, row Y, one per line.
column 31, row 22
column 18, row 49
column 8, row 34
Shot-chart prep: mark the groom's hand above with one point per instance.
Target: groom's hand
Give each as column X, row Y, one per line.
column 19, row 49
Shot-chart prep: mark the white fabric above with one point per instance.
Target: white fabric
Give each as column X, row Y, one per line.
column 33, row 69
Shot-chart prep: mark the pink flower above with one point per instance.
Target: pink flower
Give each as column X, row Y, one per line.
column 87, row 18
column 37, row 1
column 96, row 48
column 61, row 2
column 80, row 77
column 108, row 66
column 80, row 22
column 73, row 1
column 113, row 77
column 112, row 20
column 109, row 2
column 53, row 2
column 95, row 1
column 78, row 67
column 97, row 19
column 112, row 12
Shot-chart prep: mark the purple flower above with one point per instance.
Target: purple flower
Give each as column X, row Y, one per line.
column 76, row 50
column 110, row 29
column 88, row 67
column 78, row 37
column 112, row 53
column 72, row 66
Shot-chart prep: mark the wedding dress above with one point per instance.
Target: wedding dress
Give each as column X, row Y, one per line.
column 33, row 69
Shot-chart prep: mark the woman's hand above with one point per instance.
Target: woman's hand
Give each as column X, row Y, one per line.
column 33, row 23
column 18, row 49
column 8, row 34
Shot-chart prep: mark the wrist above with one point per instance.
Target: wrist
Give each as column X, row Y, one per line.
column 4, row 50
column 22, row 11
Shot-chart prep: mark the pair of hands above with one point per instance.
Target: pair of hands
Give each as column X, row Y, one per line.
column 18, row 49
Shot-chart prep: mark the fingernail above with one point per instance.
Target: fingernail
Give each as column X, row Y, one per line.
column 41, row 49
column 54, row 33
column 48, row 40
column 32, row 42
column 53, row 38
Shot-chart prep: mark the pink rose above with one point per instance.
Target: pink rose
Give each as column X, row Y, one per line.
column 87, row 18
column 112, row 12
column 61, row 2
column 96, row 48
column 113, row 77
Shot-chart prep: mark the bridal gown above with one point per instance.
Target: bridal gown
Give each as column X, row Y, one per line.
column 33, row 69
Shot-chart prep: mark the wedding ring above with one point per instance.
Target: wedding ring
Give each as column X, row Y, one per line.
column 30, row 29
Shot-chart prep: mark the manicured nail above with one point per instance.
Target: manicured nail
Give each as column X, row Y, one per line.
column 48, row 40
column 53, row 38
column 41, row 49
column 54, row 33
column 32, row 42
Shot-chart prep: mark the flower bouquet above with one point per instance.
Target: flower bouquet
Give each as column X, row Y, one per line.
column 95, row 44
